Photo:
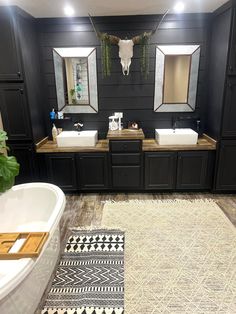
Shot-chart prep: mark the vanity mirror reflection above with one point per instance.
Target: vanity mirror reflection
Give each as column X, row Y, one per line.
column 76, row 79
column 176, row 78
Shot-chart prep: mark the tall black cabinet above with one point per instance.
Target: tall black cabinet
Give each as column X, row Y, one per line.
column 221, row 109
column 20, row 88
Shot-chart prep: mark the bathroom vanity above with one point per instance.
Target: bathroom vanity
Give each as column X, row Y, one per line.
column 128, row 161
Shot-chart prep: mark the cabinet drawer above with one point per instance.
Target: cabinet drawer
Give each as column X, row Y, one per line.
column 126, row 146
column 127, row 159
column 126, row 176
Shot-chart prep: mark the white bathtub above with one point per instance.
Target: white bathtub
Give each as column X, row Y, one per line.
column 29, row 207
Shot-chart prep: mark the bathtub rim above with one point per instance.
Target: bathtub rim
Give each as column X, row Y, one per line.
column 11, row 282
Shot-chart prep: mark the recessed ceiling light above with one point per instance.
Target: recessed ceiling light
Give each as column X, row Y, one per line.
column 69, row 11
column 179, row 7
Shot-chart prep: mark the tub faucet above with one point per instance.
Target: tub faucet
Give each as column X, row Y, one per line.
column 78, row 126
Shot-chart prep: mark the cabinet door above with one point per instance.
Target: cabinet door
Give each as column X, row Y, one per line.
column 10, row 65
column 61, row 170
column 25, row 157
column 160, row 170
column 226, row 170
column 92, row 171
column 229, row 113
column 126, row 177
column 192, row 170
column 14, row 111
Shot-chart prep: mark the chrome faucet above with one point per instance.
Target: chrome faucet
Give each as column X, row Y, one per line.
column 78, row 126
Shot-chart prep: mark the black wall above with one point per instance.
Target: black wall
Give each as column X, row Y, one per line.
column 133, row 95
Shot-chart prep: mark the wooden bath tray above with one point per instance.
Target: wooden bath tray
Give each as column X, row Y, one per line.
column 31, row 247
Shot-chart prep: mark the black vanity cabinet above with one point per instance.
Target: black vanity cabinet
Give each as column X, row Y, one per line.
column 123, row 169
column 10, row 61
column 15, row 112
column 187, row 170
column 126, row 164
column 92, row 171
column 160, row 170
column 226, row 174
column 78, row 171
column 61, row 170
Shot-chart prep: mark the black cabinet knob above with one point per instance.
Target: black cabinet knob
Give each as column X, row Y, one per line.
column 19, row 74
column 21, row 90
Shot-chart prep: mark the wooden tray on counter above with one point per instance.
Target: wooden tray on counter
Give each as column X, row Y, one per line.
column 31, row 247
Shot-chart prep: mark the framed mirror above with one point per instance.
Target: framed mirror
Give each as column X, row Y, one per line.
column 76, row 79
column 176, row 78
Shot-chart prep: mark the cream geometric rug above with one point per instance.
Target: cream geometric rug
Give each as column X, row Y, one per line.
column 180, row 256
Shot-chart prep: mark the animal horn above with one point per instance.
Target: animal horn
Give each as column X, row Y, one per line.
column 99, row 34
column 104, row 36
column 137, row 39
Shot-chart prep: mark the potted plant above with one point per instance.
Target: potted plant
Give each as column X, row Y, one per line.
column 9, row 167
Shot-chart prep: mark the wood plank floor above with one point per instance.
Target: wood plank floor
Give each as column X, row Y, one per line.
column 83, row 210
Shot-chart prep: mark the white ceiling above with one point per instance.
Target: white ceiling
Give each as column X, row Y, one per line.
column 54, row 8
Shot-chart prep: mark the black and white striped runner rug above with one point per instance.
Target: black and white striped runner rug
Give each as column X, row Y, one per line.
column 90, row 275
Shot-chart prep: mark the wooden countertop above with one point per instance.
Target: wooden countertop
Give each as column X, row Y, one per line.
column 126, row 134
column 204, row 143
column 51, row 147
column 149, row 145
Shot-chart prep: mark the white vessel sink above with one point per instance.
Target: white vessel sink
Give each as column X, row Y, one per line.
column 75, row 138
column 176, row 137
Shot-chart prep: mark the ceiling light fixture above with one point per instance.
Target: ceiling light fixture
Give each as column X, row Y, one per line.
column 179, row 7
column 69, row 11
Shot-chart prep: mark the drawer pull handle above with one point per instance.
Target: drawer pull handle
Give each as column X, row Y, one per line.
column 19, row 74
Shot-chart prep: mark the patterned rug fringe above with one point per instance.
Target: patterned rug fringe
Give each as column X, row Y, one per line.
column 84, row 310
column 154, row 202
column 94, row 228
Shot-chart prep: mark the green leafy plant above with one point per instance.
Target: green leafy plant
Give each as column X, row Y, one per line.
column 144, row 61
column 9, row 167
column 106, row 54
column 72, row 93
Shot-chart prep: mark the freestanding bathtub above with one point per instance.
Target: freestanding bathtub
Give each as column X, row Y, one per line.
column 29, row 207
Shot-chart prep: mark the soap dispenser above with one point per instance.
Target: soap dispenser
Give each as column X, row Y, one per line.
column 52, row 114
column 54, row 133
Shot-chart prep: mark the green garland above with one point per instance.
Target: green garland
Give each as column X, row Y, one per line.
column 144, row 62
column 106, row 55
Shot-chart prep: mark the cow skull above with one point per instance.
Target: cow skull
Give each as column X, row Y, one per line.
column 125, row 54
column 125, row 45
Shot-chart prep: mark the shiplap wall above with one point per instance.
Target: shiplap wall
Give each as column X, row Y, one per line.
column 133, row 95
